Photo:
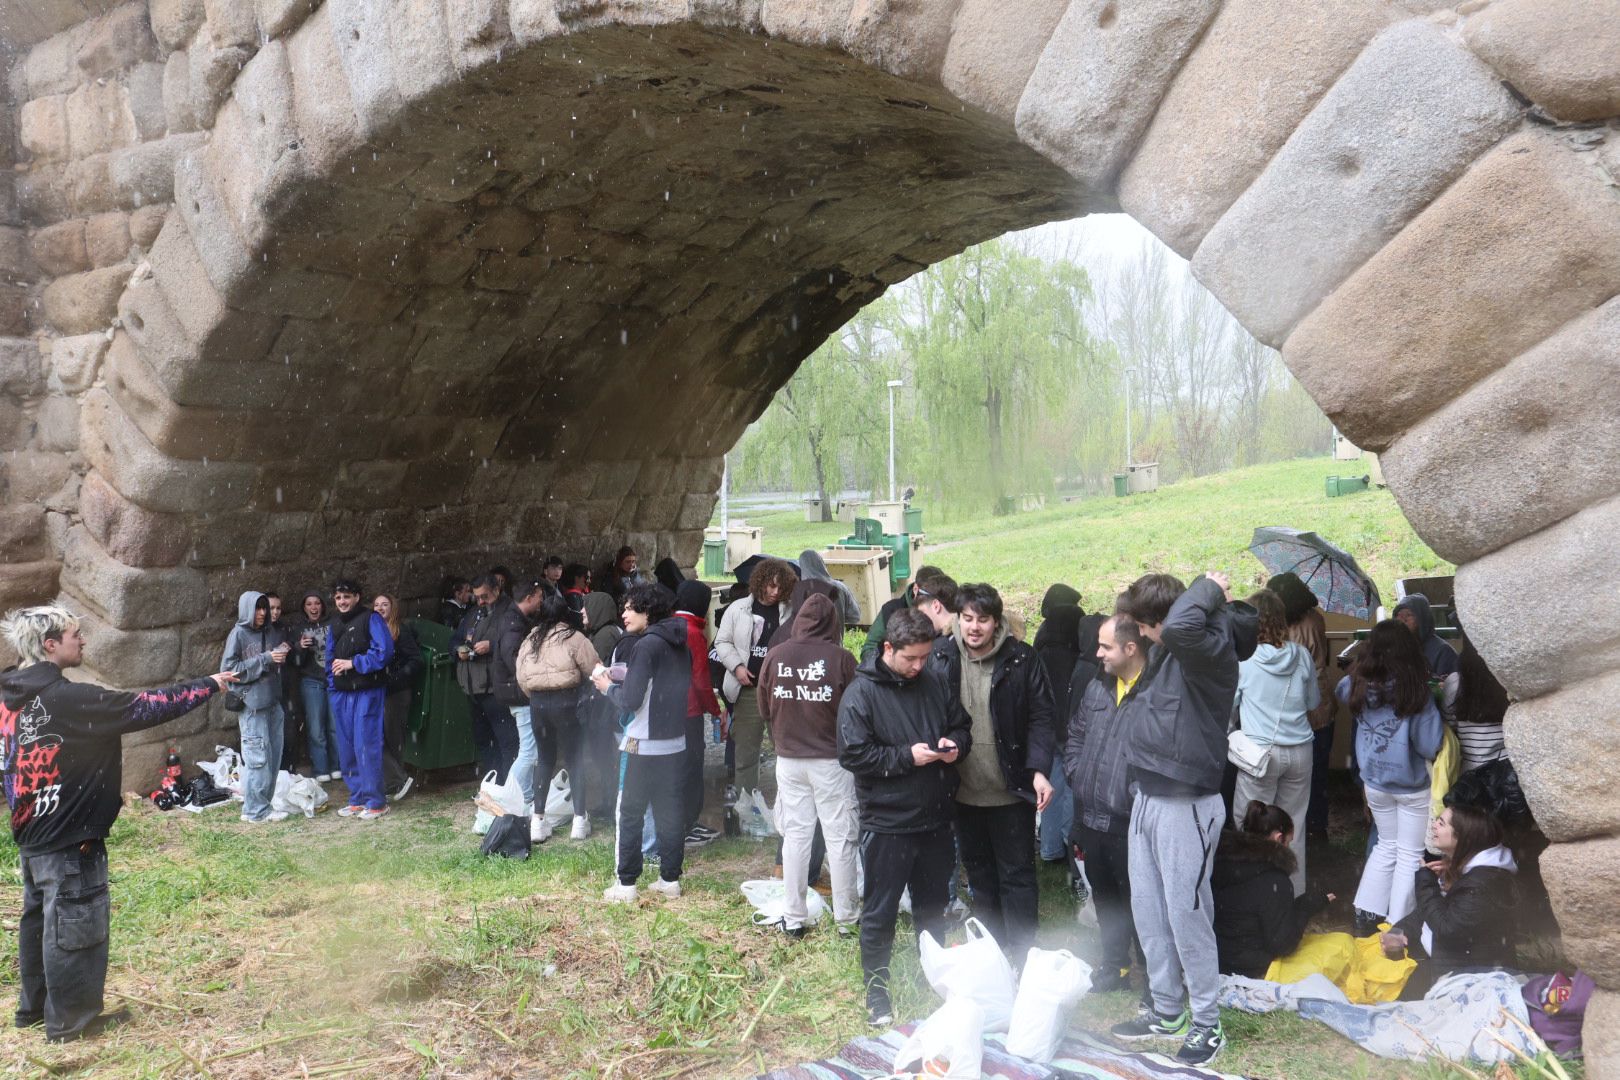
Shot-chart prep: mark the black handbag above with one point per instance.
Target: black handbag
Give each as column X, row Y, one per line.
column 235, row 702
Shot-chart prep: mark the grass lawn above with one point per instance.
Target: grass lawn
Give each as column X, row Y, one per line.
column 1101, row 544
column 330, row 948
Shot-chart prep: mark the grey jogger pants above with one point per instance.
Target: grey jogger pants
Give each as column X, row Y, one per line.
column 1172, row 852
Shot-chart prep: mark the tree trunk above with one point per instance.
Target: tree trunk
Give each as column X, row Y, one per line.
column 821, row 478
column 998, row 472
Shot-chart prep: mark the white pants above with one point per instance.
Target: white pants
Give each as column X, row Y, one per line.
column 807, row 790
column 1403, row 826
column 1287, row 784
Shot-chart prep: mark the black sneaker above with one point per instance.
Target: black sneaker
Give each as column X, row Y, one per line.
column 1108, row 980
column 1150, row 1025
column 1367, row 923
column 1202, row 1044
column 28, row 1020
column 879, row 1013
column 796, row 933
column 698, row 839
column 706, row 831
column 95, row 1027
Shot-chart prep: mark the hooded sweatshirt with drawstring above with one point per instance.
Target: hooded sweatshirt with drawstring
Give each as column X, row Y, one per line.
column 802, row 682
column 1277, row 690
column 812, row 567
column 1441, row 658
column 247, row 653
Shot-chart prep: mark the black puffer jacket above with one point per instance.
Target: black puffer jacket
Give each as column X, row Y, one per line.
column 658, row 675
column 1475, row 924
column 1178, row 741
column 1021, row 711
column 1257, row 916
column 879, row 720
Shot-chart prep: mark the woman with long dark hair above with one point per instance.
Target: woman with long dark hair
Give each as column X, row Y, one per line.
column 554, row 663
column 1466, row 913
column 1398, row 733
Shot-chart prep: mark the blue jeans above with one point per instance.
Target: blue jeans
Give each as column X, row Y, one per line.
column 1057, row 818
column 318, row 727
column 528, row 756
column 262, row 733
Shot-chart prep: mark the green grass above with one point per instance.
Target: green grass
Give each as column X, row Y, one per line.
column 395, row 950
column 1101, row 544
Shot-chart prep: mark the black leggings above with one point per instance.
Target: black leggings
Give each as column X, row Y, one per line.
column 554, row 715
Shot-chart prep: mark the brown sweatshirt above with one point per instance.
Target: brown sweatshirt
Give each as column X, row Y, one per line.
column 802, row 681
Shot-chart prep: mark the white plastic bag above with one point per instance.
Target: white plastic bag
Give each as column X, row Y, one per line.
column 758, row 820
column 560, row 800
column 975, row 969
column 1053, row 980
column 225, row 770
column 509, row 796
column 950, row 1043
column 297, row 795
column 769, row 897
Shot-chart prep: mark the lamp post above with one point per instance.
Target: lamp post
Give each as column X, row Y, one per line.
column 893, row 383
column 1130, row 371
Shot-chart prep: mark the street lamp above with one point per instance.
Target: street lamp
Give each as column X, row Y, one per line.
column 1130, row 371
column 892, row 384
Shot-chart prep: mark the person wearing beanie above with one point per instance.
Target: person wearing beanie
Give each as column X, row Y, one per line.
column 692, row 600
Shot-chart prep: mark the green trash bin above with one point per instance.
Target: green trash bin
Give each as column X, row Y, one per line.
column 714, row 558
column 1345, row 485
column 438, row 732
column 1121, row 487
column 899, row 558
column 913, row 518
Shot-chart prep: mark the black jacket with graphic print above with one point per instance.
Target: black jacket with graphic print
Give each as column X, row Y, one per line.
column 62, row 754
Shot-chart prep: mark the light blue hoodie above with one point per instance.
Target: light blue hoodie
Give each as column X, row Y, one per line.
column 1394, row 752
column 1278, row 684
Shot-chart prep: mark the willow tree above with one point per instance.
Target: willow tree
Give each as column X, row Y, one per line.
column 997, row 343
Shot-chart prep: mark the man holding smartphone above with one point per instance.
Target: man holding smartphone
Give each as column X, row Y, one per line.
column 901, row 732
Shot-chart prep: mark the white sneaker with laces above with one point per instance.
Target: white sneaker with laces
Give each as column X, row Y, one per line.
column 581, row 829
column 539, row 829
column 404, row 789
column 323, row 778
column 621, row 894
column 669, row 890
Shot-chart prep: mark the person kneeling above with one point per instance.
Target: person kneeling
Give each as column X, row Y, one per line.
column 1465, row 918
column 1257, row 916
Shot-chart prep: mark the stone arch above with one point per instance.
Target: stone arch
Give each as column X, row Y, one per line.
column 1417, row 203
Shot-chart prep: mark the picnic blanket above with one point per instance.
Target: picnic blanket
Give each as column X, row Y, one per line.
column 1260, row 996
column 1456, row 1019
column 1079, row 1057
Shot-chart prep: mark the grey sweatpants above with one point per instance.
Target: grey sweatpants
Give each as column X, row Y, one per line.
column 1172, row 851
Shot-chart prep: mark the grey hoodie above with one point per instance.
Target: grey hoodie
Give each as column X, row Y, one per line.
column 247, row 653
column 812, row 567
column 1442, row 658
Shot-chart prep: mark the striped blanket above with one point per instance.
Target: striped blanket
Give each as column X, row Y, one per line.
column 1080, row 1057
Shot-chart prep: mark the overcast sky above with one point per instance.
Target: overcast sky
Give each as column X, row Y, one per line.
column 1099, row 241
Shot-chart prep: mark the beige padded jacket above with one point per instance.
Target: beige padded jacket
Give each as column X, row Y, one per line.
column 563, row 660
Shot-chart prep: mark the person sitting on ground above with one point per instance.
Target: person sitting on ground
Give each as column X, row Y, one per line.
column 1417, row 616
column 800, row 687
column 256, row 651
column 62, row 756
column 1465, row 916
column 1308, row 628
column 812, row 567
column 901, row 732
column 554, row 661
column 919, row 589
column 653, row 695
column 1398, row 733
column 1276, row 692
column 1258, row 917
column 1097, row 772
column 1474, row 704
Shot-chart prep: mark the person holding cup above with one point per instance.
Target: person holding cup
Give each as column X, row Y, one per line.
column 254, row 653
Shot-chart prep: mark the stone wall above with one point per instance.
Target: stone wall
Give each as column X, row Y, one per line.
column 294, row 287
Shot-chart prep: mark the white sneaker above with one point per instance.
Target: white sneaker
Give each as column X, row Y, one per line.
column 323, row 778
column 581, row 829
column 539, row 829
column 404, row 789
column 669, row 890
column 621, row 894
column 274, row 815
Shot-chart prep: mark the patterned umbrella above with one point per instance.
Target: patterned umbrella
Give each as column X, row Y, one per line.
column 1327, row 569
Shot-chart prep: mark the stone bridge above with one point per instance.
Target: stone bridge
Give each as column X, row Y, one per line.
column 390, row 286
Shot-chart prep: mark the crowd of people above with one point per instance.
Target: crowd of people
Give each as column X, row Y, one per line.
column 951, row 749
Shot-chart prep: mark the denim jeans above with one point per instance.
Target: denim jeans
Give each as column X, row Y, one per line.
column 319, row 728
column 262, row 732
column 62, row 938
column 528, row 756
column 1057, row 820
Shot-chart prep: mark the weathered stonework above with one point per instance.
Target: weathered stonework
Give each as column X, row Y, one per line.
column 287, row 282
